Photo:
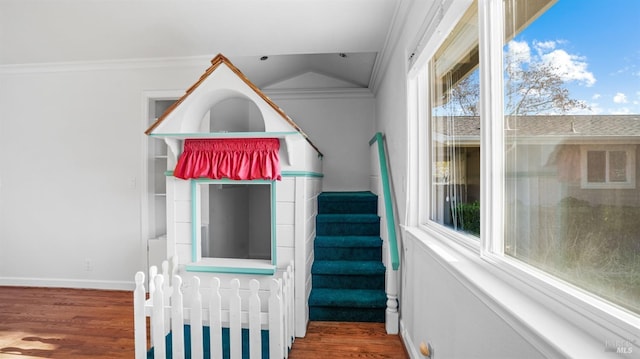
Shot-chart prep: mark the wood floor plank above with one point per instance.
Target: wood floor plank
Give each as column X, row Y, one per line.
column 65, row 323
column 348, row 340
column 98, row 324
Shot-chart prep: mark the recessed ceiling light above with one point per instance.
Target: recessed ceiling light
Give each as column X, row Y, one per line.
column 264, row 58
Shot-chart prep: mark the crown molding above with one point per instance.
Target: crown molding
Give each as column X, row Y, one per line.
column 328, row 93
column 105, row 65
column 390, row 44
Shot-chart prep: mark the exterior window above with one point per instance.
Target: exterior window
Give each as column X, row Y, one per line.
column 608, row 167
column 559, row 191
column 454, row 129
column 571, row 203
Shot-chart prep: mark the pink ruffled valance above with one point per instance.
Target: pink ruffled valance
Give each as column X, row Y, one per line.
column 237, row 159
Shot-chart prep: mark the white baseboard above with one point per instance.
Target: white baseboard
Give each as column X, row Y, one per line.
column 67, row 283
column 408, row 343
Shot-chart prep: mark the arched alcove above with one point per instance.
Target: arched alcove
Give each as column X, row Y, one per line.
column 236, row 114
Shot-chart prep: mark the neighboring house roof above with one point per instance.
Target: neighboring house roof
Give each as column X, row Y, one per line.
column 557, row 126
column 215, row 64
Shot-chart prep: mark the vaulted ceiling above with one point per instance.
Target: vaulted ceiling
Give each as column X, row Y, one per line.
column 298, row 36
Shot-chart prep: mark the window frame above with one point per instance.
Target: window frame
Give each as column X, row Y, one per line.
column 599, row 318
column 630, row 151
column 222, row 264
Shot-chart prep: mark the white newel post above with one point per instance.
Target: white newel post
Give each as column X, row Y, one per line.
column 392, row 318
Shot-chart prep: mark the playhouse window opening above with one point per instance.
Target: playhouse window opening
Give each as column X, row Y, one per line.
column 239, row 222
column 235, row 221
column 233, row 227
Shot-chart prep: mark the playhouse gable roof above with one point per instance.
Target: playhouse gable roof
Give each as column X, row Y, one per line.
column 241, row 84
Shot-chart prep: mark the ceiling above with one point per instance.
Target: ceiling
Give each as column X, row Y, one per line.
column 298, row 36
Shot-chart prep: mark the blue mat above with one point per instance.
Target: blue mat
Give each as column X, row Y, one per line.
column 225, row 344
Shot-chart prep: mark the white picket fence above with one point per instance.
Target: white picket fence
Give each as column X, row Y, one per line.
column 169, row 309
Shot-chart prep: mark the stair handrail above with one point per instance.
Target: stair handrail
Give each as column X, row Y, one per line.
column 388, row 207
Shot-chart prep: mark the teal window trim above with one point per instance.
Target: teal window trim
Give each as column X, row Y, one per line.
column 301, row 174
column 232, row 270
column 225, row 135
column 284, row 174
column 195, row 229
column 388, row 207
column 274, row 247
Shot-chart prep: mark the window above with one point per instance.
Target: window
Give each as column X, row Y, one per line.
column 569, row 177
column 455, row 129
column 556, row 178
column 608, row 167
column 234, row 227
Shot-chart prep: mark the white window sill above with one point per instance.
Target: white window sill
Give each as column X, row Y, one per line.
column 232, row 265
column 557, row 325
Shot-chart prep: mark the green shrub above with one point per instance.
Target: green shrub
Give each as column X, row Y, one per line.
column 469, row 217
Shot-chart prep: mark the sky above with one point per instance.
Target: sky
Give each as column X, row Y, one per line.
column 597, row 43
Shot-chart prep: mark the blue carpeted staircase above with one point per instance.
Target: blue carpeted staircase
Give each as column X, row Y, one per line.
column 348, row 274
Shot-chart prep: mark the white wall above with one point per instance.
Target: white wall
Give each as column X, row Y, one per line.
column 71, row 158
column 341, row 127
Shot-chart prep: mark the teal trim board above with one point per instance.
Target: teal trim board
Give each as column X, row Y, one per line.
column 194, row 224
column 274, row 247
column 226, row 135
column 233, row 270
column 301, row 174
column 169, row 173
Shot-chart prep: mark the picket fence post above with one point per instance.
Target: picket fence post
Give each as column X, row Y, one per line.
column 215, row 320
column 157, row 319
column 177, row 318
column 235, row 324
column 197, row 351
column 139, row 317
column 276, row 322
column 290, row 313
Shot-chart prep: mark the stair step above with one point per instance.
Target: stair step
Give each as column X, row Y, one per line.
column 352, row 281
column 348, row 267
column 348, row 253
column 359, row 248
column 330, row 314
column 348, row 241
column 348, row 298
column 348, row 218
column 347, row 224
column 347, row 202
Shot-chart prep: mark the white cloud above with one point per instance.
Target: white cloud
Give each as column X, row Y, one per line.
column 596, row 96
column 620, row 98
column 569, row 67
column 543, row 46
column 519, row 51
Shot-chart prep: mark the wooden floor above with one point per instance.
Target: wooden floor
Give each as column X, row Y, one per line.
column 347, row 340
column 85, row 323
